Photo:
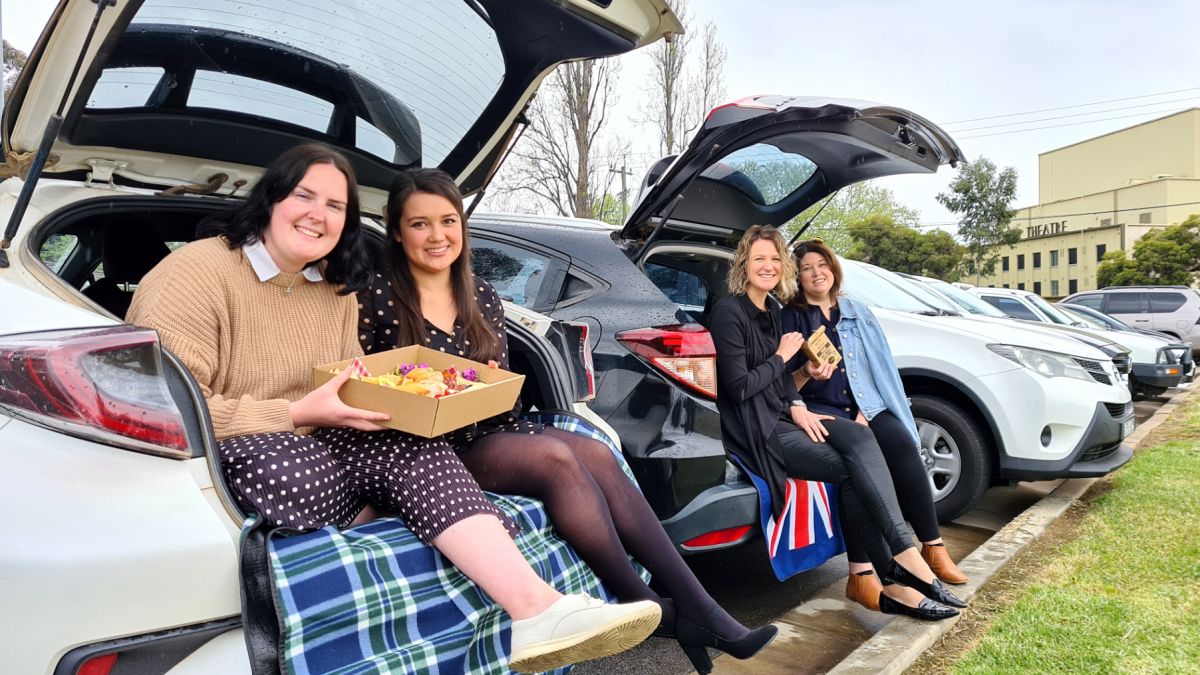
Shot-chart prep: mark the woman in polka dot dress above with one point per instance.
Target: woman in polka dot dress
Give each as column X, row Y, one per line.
column 250, row 312
column 428, row 295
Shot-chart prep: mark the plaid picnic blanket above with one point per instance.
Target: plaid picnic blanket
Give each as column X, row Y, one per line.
column 374, row 599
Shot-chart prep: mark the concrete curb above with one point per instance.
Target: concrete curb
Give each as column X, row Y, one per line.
column 899, row 644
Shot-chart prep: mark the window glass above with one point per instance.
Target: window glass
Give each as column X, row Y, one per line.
column 1054, row 258
column 56, row 248
column 440, row 61
column 871, row 290
column 1051, row 312
column 968, row 301
column 1094, row 301
column 1081, row 318
column 1166, row 302
column 1072, row 256
column 1011, row 307
column 762, row 172
column 684, row 289
column 225, row 91
column 1126, row 303
column 516, row 273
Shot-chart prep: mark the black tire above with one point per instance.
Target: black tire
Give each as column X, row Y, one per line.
column 969, row 438
column 1135, row 391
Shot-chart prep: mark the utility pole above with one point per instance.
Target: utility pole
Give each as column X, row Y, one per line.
column 624, row 171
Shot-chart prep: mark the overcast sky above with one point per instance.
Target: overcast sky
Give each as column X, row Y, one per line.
column 947, row 61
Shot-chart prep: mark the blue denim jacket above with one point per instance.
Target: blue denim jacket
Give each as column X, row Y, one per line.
column 870, row 369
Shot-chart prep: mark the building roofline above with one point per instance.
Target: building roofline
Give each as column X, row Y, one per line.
column 1123, row 129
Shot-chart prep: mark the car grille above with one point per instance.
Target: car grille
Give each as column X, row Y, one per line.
column 1099, row 453
column 1118, row 410
column 1095, row 369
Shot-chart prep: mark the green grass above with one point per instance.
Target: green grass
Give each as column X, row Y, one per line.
column 1124, row 595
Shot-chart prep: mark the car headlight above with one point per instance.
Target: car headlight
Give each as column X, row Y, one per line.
column 1044, row 363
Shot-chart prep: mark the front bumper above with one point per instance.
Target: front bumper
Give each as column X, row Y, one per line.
column 1163, row 375
column 1098, row 453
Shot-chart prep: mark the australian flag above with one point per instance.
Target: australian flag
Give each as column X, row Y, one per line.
column 807, row 532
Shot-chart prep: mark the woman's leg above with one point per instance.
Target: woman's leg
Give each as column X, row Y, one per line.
column 869, row 472
column 908, row 474
column 542, row 466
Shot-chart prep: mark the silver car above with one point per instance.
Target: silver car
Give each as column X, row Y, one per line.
column 1174, row 310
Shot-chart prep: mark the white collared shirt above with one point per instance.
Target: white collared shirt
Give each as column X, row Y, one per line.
column 265, row 267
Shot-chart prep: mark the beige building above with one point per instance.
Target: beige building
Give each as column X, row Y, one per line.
column 1102, row 195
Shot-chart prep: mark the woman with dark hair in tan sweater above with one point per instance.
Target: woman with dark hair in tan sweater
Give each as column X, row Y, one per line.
column 250, row 312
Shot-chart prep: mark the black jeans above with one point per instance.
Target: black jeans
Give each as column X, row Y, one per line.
column 851, row 459
column 908, row 475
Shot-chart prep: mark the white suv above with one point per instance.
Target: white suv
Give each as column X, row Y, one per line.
column 130, row 123
column 1157, row 362
column 993, row 400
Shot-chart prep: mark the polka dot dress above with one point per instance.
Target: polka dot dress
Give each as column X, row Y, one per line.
column 308, row 482
column 378, row 332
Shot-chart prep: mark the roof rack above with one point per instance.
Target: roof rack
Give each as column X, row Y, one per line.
column 1110, row 288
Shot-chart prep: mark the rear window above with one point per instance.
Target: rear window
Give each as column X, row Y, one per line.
column 763, row 173
column 516, row 273
column 1166, row 302
column 411, row 76
column 684, row 289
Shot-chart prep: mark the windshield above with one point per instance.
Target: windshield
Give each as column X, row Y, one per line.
column 870, row 289
column 1081, row 318
column 1098, row 317
column 965, row 300
column 924, row 293
column 1050, row 311
column 403, row 80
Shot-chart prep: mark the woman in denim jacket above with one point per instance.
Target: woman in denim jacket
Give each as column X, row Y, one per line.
column 865, row 387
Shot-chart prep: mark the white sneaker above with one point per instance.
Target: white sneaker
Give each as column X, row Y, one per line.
column 579, row 628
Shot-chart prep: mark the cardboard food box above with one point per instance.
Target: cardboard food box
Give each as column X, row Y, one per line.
column 423, row 415
column 819, row 348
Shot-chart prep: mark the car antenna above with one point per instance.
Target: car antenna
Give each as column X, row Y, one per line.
column 809, row 222
column 53, row 126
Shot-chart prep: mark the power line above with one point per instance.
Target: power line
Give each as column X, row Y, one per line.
column 1068, row 124
column 1069, row 107
column 1082, row 114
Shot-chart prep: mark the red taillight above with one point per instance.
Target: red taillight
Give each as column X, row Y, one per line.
column 101, row 383
column 585, row 377
column 729, row 535
column 99, row 665
column 684, row 352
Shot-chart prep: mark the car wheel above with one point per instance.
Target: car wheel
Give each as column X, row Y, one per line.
column 954, row 451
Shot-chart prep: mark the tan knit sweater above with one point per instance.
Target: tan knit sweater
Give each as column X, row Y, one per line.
column 250, row 344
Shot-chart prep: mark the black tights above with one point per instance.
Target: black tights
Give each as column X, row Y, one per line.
column 598, row 511
column 908, row 474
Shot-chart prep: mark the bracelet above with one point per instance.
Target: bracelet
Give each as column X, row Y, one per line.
column 798, row 403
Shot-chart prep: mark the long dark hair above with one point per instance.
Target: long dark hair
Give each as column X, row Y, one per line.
column 347, row 264
column 410, row 330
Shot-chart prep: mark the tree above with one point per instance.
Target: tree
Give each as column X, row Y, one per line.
column 981, row 196
column 682, row 93
column 553, row 160
column 881, row 241
column 1166, row 256
column 1116, row 269
column 14, row 62
column 854, row 203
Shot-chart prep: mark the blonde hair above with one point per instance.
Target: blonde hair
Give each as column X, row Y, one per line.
column 737, row 279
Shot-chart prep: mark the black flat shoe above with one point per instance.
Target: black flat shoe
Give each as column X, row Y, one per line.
column 934, row 591
column 928, row 610
column 666, row 626
column 694, row 639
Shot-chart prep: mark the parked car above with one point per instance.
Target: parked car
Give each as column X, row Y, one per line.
column 982, row 422
column 1174, row 310
column 1178, row 352
column 1156, row 362
column 645, row 289
column 120, row 539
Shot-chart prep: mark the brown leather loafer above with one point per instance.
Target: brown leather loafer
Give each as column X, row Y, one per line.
column 939, row 561
column 864, row 589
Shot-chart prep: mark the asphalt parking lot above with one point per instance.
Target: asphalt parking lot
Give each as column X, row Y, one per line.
column 742, row 581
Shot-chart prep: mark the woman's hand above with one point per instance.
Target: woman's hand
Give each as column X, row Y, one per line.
column 862, row 419
column 819, row 371
column 322, row 408
column 810, row 423
column 789, row 344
